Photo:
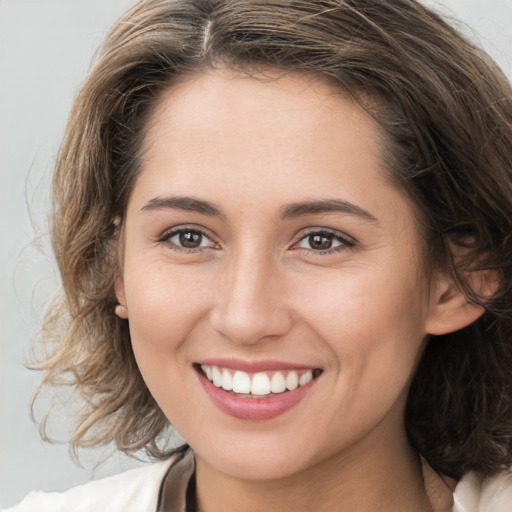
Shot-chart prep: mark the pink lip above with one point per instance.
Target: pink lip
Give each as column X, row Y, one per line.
column 253, row 366
column 254, row 409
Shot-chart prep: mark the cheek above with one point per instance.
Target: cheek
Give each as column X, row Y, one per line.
column 373, row 324
column 374, row 330
column 162, row 314
column 164, row 304
column 164, row 310
column 362, row 301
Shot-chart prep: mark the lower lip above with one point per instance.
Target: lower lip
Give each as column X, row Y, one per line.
column 255, row 409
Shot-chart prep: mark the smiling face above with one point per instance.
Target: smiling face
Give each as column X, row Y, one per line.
column 266, row 250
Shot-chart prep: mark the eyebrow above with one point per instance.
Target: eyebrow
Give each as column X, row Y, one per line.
column 325, row 206
column 188, row 204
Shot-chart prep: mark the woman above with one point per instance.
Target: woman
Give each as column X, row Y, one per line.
column 284, row 228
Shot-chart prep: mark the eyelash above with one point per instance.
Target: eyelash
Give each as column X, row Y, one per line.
column 345, row 242
column 168, row 235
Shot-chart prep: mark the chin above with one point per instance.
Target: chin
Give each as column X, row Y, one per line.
column 257, row 459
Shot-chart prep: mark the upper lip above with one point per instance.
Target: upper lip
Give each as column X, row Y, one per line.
column 255, row 365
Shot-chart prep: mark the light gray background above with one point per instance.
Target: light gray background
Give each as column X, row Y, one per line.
column 46, row 47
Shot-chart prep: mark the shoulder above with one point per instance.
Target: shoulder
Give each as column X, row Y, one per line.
column 132, row 491
column 476, row 494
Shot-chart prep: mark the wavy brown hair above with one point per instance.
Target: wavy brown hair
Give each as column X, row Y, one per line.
column 446, row 111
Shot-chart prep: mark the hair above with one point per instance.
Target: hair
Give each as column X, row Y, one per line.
column 446, row 111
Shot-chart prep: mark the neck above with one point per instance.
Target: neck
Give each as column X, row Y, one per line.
column 388, row 478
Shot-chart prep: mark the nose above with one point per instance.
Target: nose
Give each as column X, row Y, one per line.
column 251, row 304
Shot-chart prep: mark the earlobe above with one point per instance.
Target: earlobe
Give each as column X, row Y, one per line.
column 450, row 309
column 120, row 310
column 451, row 315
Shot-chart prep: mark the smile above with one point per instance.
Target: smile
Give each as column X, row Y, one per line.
column 257, row 384
column 256, row 395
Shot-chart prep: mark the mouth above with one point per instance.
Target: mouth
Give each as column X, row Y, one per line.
column 263, row 384
column 257, row 395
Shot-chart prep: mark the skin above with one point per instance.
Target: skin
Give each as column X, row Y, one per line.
column 255, row 289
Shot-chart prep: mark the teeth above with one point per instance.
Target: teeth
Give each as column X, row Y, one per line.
column 227, row 380
column 277, row 384
column 292, row 381
column 241, row 383
column 305, row 378
column 207, row 370
column 259, row 384
column 216, row 377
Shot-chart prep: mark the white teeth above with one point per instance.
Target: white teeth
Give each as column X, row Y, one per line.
column 216, row 377
column 305, row 378
column 277, row 384
column 207, row 370
column 227, row 380
column 292, row 381
column 260, row 384
column 241, row 383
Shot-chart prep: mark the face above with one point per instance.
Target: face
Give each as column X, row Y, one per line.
column 272, row 277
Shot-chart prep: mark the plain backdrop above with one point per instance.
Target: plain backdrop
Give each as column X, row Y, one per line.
column 46, row 49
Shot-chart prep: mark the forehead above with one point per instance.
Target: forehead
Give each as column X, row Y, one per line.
column 243, row 92
column 224, row 122
column 256, row 144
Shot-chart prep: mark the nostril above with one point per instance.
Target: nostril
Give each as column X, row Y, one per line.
column 247, row 326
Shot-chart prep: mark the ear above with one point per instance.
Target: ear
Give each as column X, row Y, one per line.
column 121, row 310
column 450, row 310
column 116, row 256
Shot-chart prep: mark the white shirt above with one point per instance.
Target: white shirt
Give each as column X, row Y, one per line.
column 138, row 490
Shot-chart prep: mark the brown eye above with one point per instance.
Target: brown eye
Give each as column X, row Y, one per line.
column 320, row 241
column 189, row 239
column 324, row 241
